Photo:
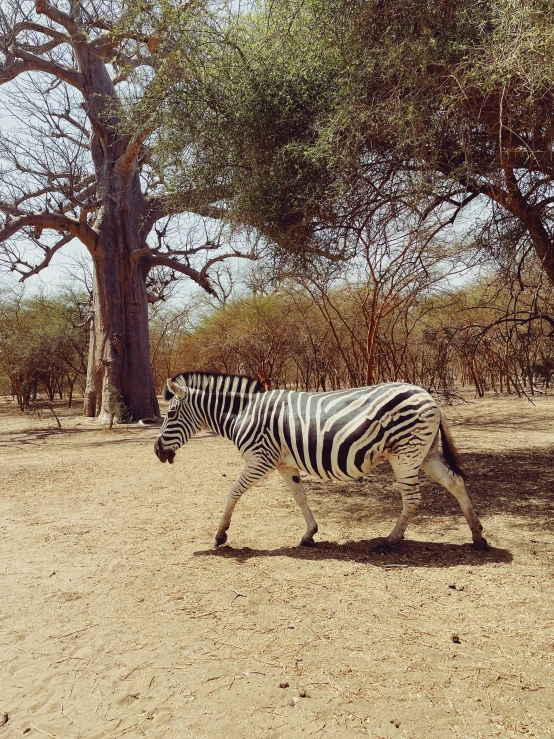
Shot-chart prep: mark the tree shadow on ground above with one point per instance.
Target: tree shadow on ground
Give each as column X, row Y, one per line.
column 518, row 483
column 38, row 436
column 508, row 421
column 405, row 554
column 127, row 433
column 119, row 435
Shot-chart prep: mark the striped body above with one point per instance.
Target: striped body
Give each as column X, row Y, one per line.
column 339, row 435
column 334, row 436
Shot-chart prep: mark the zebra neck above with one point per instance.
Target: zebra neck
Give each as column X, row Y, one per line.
column 219, row 411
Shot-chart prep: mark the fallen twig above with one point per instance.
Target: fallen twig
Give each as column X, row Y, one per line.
column 78, row 631
column 40, row 731
column 65, row 714
column 126, row 731
column 20, row 648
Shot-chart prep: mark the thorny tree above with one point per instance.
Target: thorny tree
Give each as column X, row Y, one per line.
column 391, row 284
column 85, row 80
column 459, row 97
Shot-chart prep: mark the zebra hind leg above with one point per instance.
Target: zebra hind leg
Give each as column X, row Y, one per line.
column 254, row 471
column 441, row 473
column 292, row 477
column 408, row 481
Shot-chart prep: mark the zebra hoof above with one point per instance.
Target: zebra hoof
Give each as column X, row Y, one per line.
column 308, row 542
column 219, row 540
column 481, row 545
column 382, row 547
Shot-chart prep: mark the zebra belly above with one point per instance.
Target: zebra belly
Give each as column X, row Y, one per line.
column 371, row 459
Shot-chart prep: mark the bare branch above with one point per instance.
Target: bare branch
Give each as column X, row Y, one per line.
column 10, row 208
column 161, row 260
column 222, row 257
column 39, row 28
column 54, row 221
column 200, row 202
column 66, row 117
column 33, row 63
column 49, row 252
column 63, row 19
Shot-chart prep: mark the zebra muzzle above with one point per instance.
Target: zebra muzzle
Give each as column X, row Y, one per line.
column 164, row 455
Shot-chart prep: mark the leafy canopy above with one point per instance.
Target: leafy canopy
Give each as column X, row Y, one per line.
column 321, row 116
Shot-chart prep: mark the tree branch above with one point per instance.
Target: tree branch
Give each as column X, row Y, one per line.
column 33, row 63
column 199, row 202
column 160, row 260
column 126, row 160
column 49, row 253
column 66, row 117
column 39, row 28
column 54, row 221
column 10, row 208
column 63, row 19
column 223, row 257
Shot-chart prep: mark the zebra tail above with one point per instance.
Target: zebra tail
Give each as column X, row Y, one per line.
column 449, row 451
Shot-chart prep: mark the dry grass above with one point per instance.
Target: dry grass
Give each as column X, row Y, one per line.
column 118, row 619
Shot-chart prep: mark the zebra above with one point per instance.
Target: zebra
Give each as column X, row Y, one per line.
column 338, row 435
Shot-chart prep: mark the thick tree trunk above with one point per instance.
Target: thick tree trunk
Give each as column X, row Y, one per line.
column 119, row 374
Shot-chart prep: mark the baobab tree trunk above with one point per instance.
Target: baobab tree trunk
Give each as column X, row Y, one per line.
column 119, row 374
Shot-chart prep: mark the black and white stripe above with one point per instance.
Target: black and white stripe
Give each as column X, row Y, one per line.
column 334, row 436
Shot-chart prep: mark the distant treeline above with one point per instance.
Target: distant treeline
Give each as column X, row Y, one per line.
column 309, row 337
column 300, row 339
column 43, row 346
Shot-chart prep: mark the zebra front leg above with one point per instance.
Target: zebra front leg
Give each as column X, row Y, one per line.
column 292, row 477
column 408, row 482
column 254, row 471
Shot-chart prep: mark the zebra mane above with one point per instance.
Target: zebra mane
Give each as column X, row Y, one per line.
column 208, row 380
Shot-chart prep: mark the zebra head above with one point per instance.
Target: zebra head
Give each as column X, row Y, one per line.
column 179, row 424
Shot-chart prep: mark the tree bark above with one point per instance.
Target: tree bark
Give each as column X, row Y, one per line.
column 119, row 373
column 120, row 382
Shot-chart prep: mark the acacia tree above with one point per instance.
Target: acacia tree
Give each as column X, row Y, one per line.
column 86, row 82
column 458, row 98
column 42, row 344
column 324, row 110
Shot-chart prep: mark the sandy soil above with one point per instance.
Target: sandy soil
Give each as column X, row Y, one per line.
column 117, row 618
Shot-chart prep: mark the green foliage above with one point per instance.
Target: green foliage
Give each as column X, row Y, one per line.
column 250, row 118
column 169, row 31
column 316, row 118
column 455, row 84
column 43, row 344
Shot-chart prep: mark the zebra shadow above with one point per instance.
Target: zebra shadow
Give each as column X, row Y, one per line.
column 517, row 485
column 408, row 553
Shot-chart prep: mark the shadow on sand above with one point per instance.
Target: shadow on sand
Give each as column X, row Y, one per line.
column 407, row 553
column 519, row 484
column 120, row 434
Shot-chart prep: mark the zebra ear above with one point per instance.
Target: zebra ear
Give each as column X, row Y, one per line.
column 177, row 390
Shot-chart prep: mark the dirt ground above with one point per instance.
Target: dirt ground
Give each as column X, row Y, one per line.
column 117, row 618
